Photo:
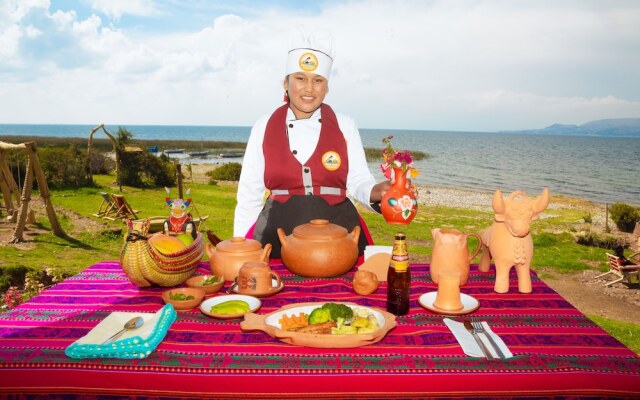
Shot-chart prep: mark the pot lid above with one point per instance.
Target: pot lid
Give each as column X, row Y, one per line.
column 239, row 244
column 320, row 229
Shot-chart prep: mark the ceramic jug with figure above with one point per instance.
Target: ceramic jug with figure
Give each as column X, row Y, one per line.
column 451, row 252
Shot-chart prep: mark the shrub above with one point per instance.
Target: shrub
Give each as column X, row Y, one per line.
column 64, row 168
column 140, row 168
column 100, row 164
column 225, row 172
column 595, row 240
column 625, row 216
column 12, row 276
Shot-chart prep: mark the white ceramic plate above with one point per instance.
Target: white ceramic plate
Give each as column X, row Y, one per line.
column 265, row 294
column 469, row 304
column 205, row 306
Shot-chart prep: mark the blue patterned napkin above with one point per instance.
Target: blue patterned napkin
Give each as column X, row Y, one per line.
column 137, row 343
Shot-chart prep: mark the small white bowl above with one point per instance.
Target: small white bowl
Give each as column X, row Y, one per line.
column 205, row 306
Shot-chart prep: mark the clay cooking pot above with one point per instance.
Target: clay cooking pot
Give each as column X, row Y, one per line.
column 228, row 256
column 319, row 249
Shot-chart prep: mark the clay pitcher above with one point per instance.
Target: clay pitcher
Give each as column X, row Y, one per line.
column 399, row 205
column 451, row 252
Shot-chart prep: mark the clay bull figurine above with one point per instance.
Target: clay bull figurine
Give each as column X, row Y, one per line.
column 508, row 241
column 180, row 219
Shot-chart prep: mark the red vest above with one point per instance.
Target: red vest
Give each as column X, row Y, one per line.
column 324, row 174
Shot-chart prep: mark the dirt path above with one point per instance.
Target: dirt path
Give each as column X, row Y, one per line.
column 590, row 295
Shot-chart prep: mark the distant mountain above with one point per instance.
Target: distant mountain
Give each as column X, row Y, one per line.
column 627, row 127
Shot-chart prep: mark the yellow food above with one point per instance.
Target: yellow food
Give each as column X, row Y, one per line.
column 165, row 244
column 359, row 322
column 231, row 307
column 363, row 321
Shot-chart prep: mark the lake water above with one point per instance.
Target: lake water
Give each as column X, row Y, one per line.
column 600, row 169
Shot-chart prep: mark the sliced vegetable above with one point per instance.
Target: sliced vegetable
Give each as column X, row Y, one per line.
column 180, row 296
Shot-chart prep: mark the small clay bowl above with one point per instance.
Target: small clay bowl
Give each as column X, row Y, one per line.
column 198, row 283
column 197, row 294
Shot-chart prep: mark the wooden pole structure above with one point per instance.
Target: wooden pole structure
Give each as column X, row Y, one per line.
column 179, row 178
column 26, row 199
column 8, row 185
column 44, row 190
column 33, row 168
column 115, row 150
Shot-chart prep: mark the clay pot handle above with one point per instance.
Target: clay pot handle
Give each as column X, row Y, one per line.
column 211, row 249
column 477, row 250
column 276, row 275
column 356, row 234
column 282, row 236
column 253, row 321
column 266, row 252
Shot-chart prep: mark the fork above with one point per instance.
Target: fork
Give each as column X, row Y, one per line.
column 479, row 328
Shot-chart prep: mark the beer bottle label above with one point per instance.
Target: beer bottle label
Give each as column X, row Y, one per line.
column 400, row 262
column 400, row 256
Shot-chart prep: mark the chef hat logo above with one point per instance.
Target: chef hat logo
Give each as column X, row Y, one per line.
column 311, row 51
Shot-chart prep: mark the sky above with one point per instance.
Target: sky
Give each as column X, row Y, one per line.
column 450, row 65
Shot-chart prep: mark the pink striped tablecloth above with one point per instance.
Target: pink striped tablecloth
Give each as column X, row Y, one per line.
column 558, row 351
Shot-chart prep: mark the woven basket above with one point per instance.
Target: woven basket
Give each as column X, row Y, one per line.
column 146, row 266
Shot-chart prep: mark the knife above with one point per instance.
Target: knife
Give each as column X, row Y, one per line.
column 487, row 353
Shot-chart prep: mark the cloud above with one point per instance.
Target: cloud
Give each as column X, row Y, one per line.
column 115, row 9
column 448, row 65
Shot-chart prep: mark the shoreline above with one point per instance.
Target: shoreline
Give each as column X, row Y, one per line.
column 444, row 196
column 479, row 200
column 599, row 192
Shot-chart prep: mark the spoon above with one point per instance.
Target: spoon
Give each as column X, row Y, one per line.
column 133, row 323
column 233, row 285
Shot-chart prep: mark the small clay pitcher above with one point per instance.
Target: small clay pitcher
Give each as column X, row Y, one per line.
column 256, row 278
column 228, row 256
column 448, row 296
column 451, row 252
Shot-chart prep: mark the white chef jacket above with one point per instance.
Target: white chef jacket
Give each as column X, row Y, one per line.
column 303, row 139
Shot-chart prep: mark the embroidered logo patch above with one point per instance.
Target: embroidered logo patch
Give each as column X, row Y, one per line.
column 331, row 160
column 308, row 62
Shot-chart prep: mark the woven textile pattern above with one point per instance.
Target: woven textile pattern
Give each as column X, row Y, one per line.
column 557, row 349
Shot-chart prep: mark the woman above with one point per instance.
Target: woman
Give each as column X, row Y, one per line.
column 306, row 155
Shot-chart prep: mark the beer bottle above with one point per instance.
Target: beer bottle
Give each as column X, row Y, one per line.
column 398, row 277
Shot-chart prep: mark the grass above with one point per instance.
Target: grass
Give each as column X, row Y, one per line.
column 554, row 244
column 627, row 333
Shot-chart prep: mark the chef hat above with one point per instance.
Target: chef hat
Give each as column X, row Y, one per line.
column 310, row 51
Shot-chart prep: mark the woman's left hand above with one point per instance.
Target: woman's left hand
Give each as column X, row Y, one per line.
column 380, row 189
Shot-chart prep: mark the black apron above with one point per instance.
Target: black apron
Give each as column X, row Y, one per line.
column 301, row 209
